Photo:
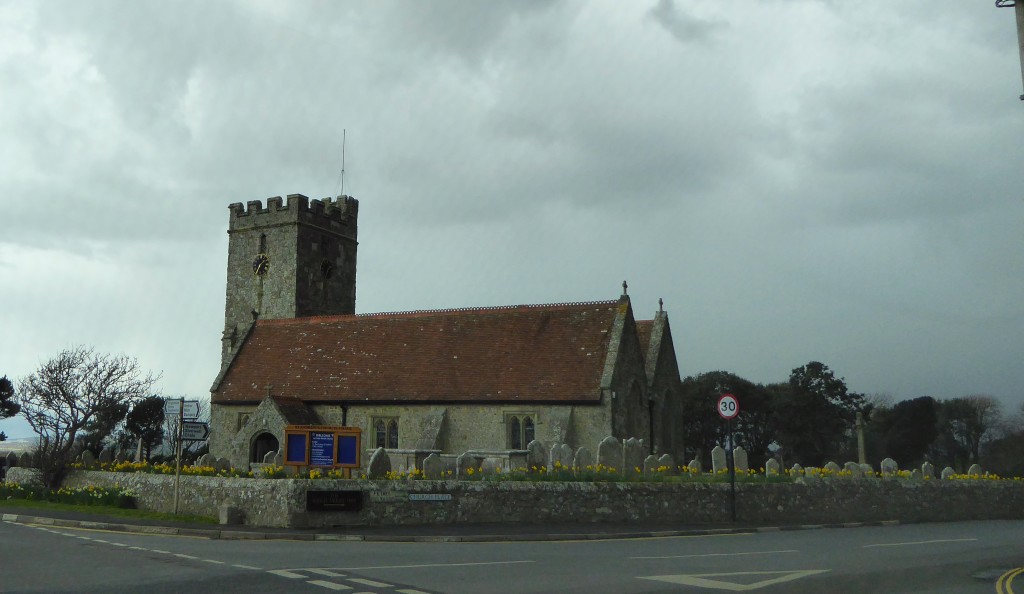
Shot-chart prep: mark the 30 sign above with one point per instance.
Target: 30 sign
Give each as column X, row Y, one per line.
column 728, row 406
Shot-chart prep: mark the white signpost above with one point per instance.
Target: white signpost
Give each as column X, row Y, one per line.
column 180, row 409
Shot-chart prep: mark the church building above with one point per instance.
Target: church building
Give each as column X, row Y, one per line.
column 489, row 379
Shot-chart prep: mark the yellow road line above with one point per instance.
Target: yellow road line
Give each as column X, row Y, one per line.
column 1003, row 583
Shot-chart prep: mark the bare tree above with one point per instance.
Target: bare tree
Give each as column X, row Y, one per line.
column 69, row 391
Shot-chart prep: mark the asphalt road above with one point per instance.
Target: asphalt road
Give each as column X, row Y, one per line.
column 965, row 557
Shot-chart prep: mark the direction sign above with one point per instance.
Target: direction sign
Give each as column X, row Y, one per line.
column 191, row 431
column 728, row 406
column 189, row 409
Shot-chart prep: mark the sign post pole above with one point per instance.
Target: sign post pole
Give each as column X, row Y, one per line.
column 177, row 453
column 728, row 408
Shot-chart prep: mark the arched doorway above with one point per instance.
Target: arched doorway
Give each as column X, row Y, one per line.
column 263, row 444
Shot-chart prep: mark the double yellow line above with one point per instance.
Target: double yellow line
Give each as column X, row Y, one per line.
column 1004, row 581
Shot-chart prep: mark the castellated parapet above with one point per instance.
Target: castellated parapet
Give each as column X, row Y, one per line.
column 307, row 254
column 339, row 215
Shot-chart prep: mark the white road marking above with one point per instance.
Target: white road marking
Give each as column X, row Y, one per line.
column 240, row 566
column 433, row 565
column 213, row 561
column 184, row 556
column 326, row 572
column 287, row 574
column 99, row 540
column 919, row 542
column 701, row 580
column 161, row 552
column 406, row 591
column 118, row 544
column 370, row 583
column 83, row 538
column 328, row 585
column 721, row 554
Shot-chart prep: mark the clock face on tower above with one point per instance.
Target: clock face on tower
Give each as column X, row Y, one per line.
column 261, row 264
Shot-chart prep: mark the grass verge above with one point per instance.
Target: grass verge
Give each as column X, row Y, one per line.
column 103, row 510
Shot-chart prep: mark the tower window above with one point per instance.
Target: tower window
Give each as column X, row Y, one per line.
column 263, row 243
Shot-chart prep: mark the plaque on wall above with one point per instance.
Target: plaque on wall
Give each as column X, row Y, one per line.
column 334, row 500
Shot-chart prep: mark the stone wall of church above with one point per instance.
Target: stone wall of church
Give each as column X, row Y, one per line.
column 452, row 429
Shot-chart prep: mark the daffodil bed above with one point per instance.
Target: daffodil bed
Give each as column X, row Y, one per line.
column 91, row 495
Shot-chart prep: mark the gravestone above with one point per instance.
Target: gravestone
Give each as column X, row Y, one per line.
column 582, row 459
column 267, row 459
column 106, row 456
column 694, row 466
column 927, row 471
column 567, row 456
column 867, row 470
column 493, row 465
column 831, row 468
column 25, row 461
column 811, row 474
column 854, row 469
column 915, row 474
column 223, row 465
column 208, row 461
column 433, row 467
column 718, row 460
column 88, row 460
column 537, row 457
column 947, row 473
column 609, row 454
column 465, row 462
column 771, row 467
column 380, row 465
column 650, row 465
column 279, row 458
column 797, row 470
column 975, row 470
column 889, row 468
column 120, row 457
column 561, row 456
column 739, row 460
column 12, row 459
column 632, row 456
column 667, row 461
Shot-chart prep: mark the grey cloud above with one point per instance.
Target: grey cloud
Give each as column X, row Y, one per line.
column 684, row 27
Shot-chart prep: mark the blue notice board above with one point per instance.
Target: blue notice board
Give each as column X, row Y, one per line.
column 348, row 450
column 321, row 449
column 296, row 448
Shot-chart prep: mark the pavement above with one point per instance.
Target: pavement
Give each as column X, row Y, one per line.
column 496, row 532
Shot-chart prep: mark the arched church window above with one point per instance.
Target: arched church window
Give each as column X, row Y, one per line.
column 393, row 434
column 380, row 434
column 515, row 435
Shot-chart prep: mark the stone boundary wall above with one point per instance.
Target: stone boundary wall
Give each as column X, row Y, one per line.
column 281, row 502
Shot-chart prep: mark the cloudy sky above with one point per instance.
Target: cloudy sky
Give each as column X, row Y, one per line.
column 798, row 180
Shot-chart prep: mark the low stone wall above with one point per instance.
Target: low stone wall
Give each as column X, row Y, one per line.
column 282, row 502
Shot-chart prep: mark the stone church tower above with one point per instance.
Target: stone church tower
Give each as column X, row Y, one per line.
column 288, row 260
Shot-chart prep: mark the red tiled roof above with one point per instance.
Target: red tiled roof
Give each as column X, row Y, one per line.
column 524, row 353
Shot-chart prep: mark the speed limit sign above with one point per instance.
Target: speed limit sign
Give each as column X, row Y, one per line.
column 728, row 406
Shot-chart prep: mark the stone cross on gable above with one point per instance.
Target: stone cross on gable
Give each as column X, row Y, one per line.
column 624, row 288
column 269, row 388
